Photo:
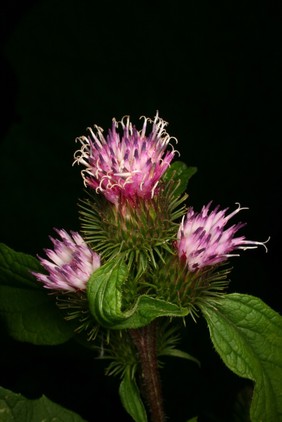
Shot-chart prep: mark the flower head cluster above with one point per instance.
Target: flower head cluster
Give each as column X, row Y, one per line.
column 127, row 163
column 203, row 239
column 70, row 264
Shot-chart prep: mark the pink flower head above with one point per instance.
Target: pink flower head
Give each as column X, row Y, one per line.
column 203, row 239
column 70, row 264
column 127, row 163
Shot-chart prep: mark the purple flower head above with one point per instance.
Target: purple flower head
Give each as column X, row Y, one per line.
column 127, row 162
column 203, row 239
column 70, row 264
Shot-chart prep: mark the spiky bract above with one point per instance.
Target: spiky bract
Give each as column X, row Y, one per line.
column 140, row 234
column 176, row 284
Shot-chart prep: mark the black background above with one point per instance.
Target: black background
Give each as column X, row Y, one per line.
column 213, row 70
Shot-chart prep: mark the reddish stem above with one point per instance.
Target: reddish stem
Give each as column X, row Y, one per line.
column 145, row 340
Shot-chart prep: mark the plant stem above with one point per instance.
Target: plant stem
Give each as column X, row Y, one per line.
column 145, row 340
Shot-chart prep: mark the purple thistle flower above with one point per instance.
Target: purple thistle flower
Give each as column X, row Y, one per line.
column 203, row 239
column 70, row 264
column 126, row 164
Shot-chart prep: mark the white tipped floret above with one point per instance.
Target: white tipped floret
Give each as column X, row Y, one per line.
column 70, row 264
column 203, row 240
column 253, row 244
column 127, row 163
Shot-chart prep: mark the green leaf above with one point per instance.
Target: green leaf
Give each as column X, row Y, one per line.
column 131, row 400
column 104, row 290
column 16, row 408
column 146, row 309
column 180, row 173
column 16, row 267
column 247, row 334
column 27, row 310
column 31, row 316
column 195, row 419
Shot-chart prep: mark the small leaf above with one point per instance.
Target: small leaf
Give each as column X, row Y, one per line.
column 16, row 267
column 104, row 290
column 180, row 173
column 195, row 419
column 147, row 309
column 179, row 354
column 131, row 400
column 247, row 334
column 16, row 408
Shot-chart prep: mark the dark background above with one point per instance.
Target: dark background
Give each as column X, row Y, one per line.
column 214, row 73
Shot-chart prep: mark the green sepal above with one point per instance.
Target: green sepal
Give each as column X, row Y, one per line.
column 16, row 408
column 104, row 291
column 180, row 173
column 28, row 312
column 131, row 400
column 247, row 334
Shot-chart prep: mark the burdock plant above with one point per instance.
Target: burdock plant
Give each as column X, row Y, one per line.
column 143, row 263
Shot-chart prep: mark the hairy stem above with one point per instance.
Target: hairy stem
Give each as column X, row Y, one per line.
column 145, row 340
